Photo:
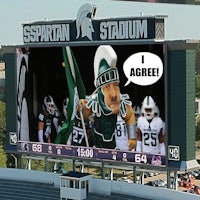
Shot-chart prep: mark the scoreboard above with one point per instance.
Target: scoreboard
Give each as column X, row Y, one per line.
column 37, row 71
column 89, row 153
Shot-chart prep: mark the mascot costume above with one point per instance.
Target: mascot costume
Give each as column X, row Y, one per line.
column 107, row 102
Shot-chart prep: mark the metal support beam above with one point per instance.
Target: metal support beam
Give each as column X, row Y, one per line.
column 134, row 174
column 74, row 165
column 168, row 178
column 103, row 170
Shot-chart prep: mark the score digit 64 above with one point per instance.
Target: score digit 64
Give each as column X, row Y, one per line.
column 140, row 158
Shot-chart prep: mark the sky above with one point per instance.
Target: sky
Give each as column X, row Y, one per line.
column 182, row 22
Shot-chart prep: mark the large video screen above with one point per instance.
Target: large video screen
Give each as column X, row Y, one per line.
column 114, row 108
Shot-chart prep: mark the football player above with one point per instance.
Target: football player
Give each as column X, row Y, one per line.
column 150, row 138
column 157, row 114
column 78, row 134
column 48, row 121
column 137, row 112
column 77, row 137
column 121, row 135
column 64, row 105
column 63, row 118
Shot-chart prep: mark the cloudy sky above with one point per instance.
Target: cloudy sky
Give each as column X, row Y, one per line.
column 182, row 21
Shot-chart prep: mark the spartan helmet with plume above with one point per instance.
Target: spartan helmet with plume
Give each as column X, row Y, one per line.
column 105, row 70
column 84, row 21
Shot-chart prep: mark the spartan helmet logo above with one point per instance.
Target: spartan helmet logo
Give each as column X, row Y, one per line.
column 84, row 18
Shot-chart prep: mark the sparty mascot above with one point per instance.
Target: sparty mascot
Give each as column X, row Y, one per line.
column 107, row 102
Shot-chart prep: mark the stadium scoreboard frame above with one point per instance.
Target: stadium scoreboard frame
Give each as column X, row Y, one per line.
column 47, row 36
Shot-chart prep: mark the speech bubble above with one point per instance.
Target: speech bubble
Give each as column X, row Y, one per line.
column 143, row 68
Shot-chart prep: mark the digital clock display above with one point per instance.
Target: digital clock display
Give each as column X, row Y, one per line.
column 85, row 152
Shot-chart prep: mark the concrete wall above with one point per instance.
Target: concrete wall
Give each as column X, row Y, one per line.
column 107, row 187
column 99, row 186
column 30, row 175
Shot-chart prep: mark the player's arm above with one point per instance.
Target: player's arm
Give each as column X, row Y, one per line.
column 56, row 123
column 139, row 140
column 131, row 127
column 161, row 139
column 164, row 133
column 40, row 131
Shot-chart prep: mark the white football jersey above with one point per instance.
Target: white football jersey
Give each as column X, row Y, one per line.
column 163, row 126
column 150, row 132
column 121, row 134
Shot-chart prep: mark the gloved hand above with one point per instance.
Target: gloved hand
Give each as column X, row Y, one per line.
column 132, row 144
column 48, row 131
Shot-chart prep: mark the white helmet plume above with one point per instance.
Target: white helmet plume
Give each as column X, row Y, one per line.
column 104, row 52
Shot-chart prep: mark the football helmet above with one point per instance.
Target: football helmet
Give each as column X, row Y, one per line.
column 65, row 103
column 49, row 105
column 137, row 110
column 157, row 111
column 148, row 107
